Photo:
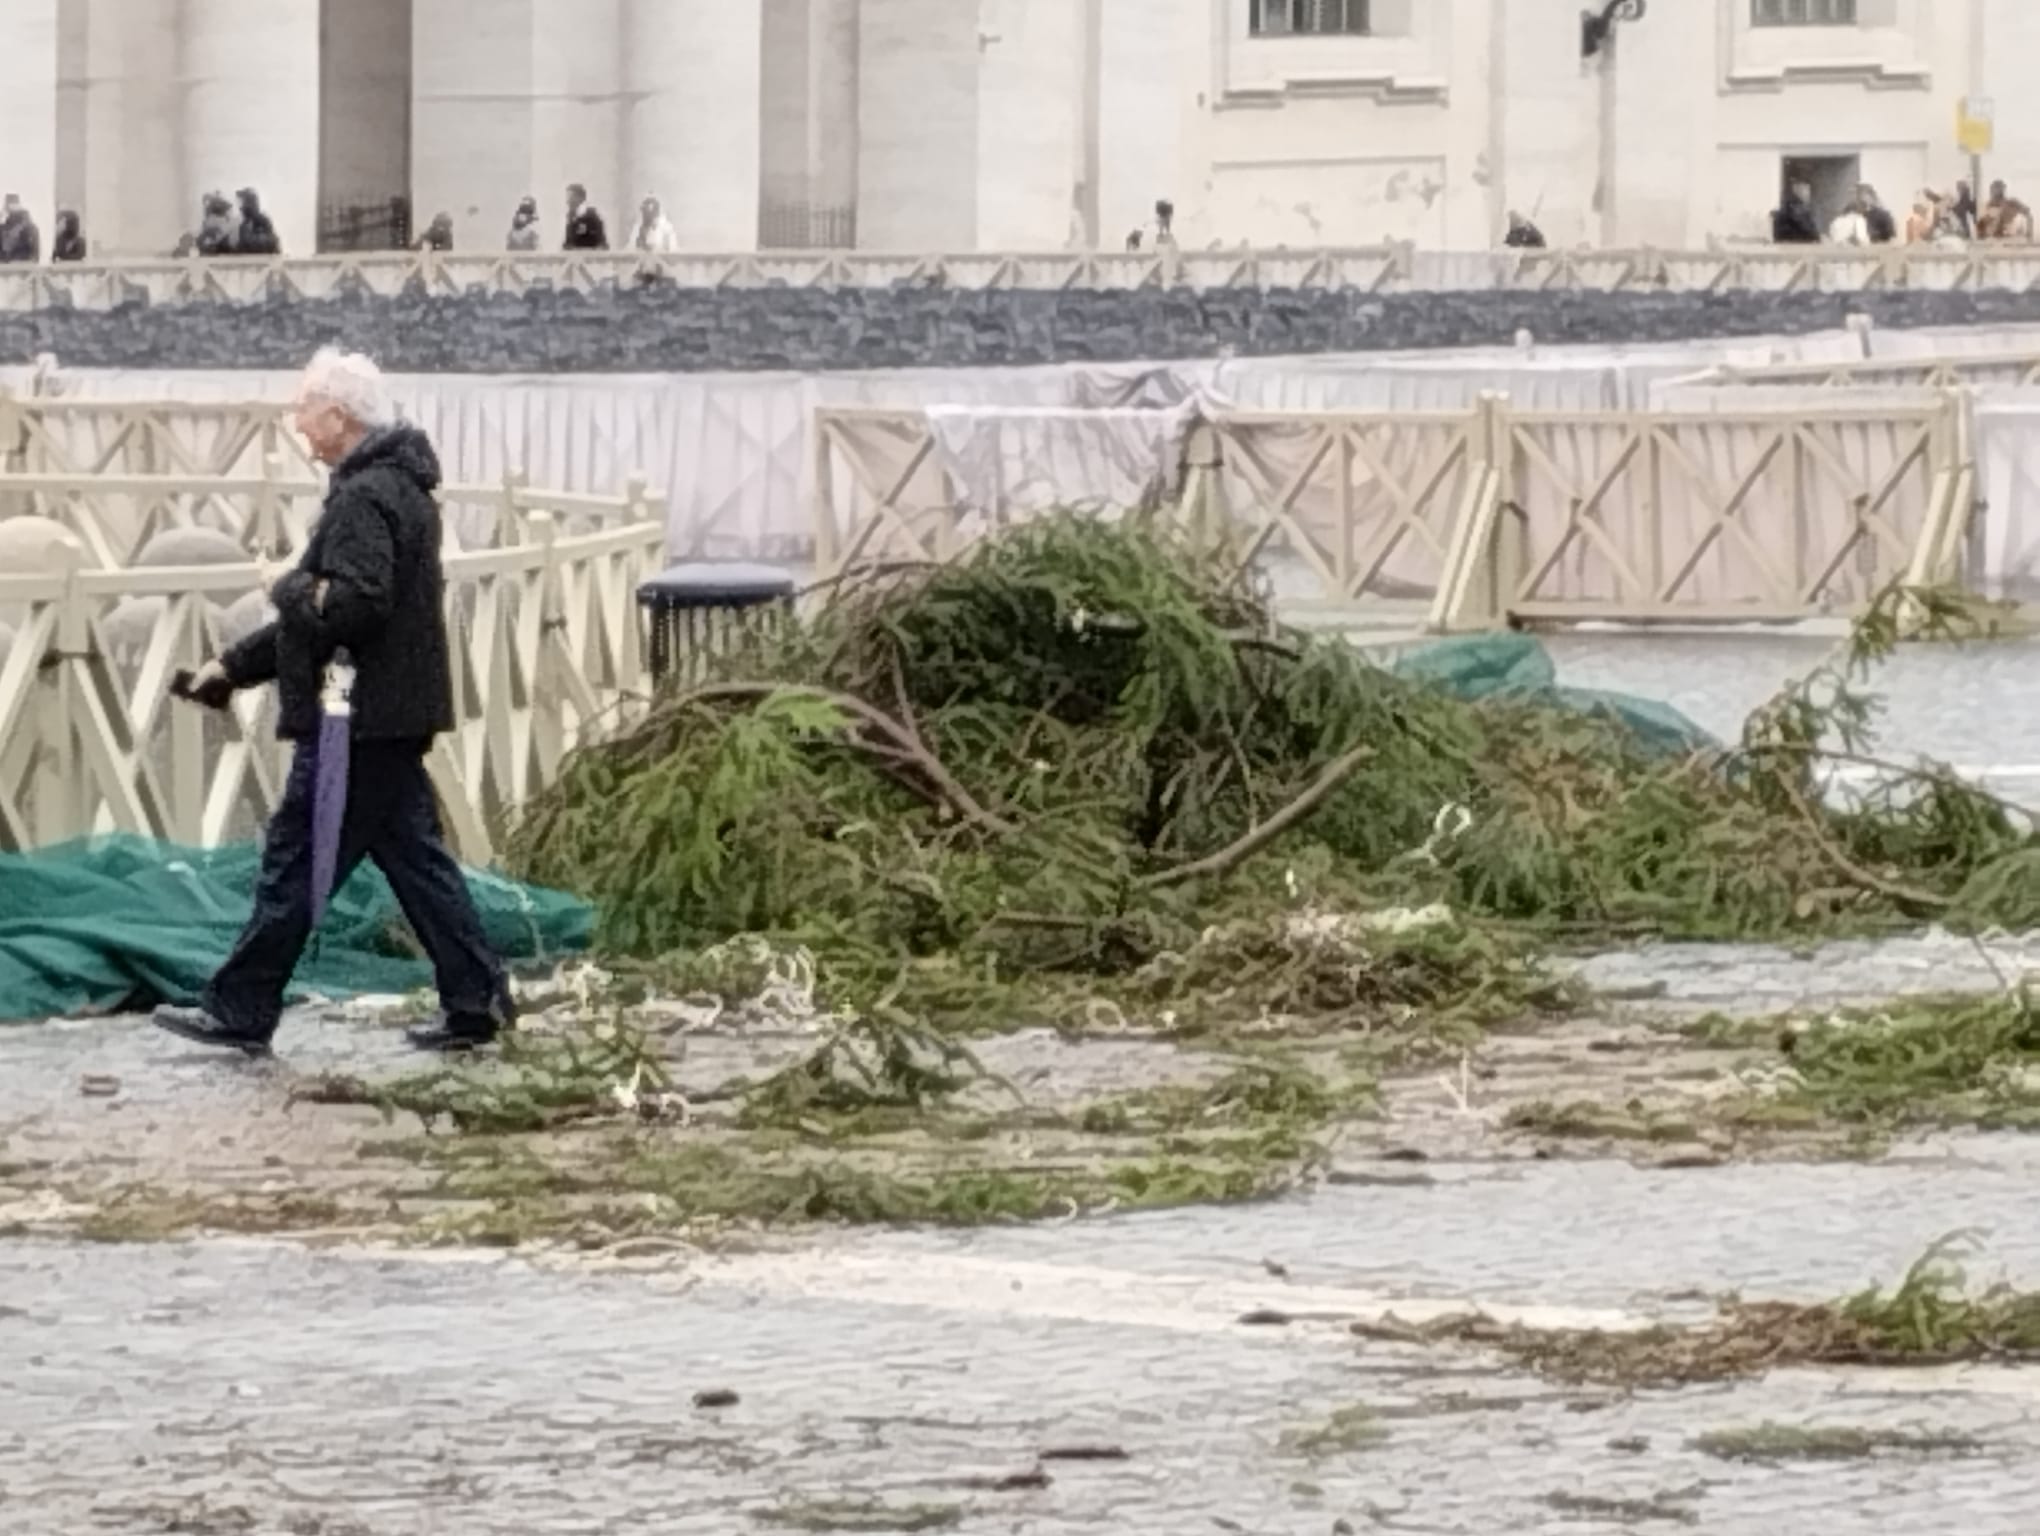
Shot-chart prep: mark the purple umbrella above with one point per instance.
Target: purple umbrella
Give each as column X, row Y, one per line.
column 329, row 786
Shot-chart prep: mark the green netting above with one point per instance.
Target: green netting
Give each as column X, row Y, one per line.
column 1516, row 666
column 126, row 922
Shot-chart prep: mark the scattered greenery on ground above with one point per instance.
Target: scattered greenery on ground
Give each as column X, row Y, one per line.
column 1355, row 1427
column 1775, row 1444
column 860, row 1515
column 1921, row 1061
column 1931, row 1318
column 1671, row 1507
column 541, row 1082
column 1634, row 1121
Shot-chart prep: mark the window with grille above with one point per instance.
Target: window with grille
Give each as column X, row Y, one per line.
column 1803, row 13
column 1315, row 18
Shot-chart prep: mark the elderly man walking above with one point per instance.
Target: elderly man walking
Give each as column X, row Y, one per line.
column 369, row 586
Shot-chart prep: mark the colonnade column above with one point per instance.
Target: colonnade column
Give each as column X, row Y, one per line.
column 472, row 118
column 578, row 69
column 691, row 127
column 28, row 109
column 250, row 76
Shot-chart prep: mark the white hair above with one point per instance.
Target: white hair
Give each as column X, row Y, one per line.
column 352, row 382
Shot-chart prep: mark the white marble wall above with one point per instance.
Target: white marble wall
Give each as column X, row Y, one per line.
column 969, row 123
column 1148, row 115
column 472, row 122
column 365, row 94
column 919, row 181
column 28, row 106
column 1030, row 84
column 691, row 131
column 248, row 74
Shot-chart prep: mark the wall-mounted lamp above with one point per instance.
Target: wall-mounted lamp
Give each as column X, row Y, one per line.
column 1594, row 29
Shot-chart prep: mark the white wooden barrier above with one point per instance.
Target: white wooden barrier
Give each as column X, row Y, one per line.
column 1395, row 267
column 1494, row 515
column 546, row 653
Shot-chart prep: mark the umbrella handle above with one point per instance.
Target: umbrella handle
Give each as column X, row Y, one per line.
column 336, row 695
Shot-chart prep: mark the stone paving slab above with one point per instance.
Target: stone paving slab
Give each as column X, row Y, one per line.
column 229, row 1386
column 223, row 1387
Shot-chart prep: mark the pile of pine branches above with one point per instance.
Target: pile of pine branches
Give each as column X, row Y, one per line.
column 1083, row 750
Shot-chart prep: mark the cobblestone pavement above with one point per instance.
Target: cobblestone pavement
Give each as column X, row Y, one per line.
column 232, row 1388
column 328, row 1390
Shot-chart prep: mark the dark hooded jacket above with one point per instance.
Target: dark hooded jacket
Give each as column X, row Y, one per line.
column 586, row 231
column 258, row 230
column 376, row 550
column 1793, row 223
column 20, row 240
column 70, row 241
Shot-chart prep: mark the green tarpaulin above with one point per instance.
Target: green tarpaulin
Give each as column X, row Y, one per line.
column 1516, row 666
column 118, row 922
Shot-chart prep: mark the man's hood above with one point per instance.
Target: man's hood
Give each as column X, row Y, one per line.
column 402, row 448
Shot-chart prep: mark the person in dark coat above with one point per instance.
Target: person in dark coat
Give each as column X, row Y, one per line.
column 368, row 583
column 1794, row 222
column 257, row 235
column 1965, row 210
column 1523, row 235
column 215, row 233
column 20, row 240
column 585, row 229
column 1876, row 217
column 70, row 242
column 438, row 234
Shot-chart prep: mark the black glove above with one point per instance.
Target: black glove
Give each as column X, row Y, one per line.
column 215, row 692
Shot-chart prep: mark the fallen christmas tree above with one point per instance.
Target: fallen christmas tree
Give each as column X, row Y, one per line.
column 1082, row 780
column 1083, row 767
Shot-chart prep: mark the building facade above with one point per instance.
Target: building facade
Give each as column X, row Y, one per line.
column 1002, row 124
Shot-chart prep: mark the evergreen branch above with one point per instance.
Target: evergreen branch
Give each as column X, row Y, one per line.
column 1231, row 857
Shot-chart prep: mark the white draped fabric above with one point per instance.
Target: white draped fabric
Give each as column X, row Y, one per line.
column 2007, row 555
column 731, row 453
column 1020, row 462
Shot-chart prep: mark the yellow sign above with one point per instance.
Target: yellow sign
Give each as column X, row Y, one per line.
column 1974, row 123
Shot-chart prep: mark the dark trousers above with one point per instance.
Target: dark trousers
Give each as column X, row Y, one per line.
column 393, row 819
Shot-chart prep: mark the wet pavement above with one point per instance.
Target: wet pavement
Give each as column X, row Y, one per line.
column 1974, row 706
column 896, row 1380
column 232, row 1388
column 916, row 1379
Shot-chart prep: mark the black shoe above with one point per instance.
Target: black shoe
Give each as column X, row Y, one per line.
column 452, row 1037
column 196, row 1025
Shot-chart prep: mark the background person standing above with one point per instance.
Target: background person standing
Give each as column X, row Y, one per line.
column 585, row 229
column 523, row 234
column 369, row 584
column 20, row 240
column 257, row 231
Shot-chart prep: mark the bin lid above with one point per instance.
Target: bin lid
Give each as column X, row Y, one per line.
column 716, row 584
